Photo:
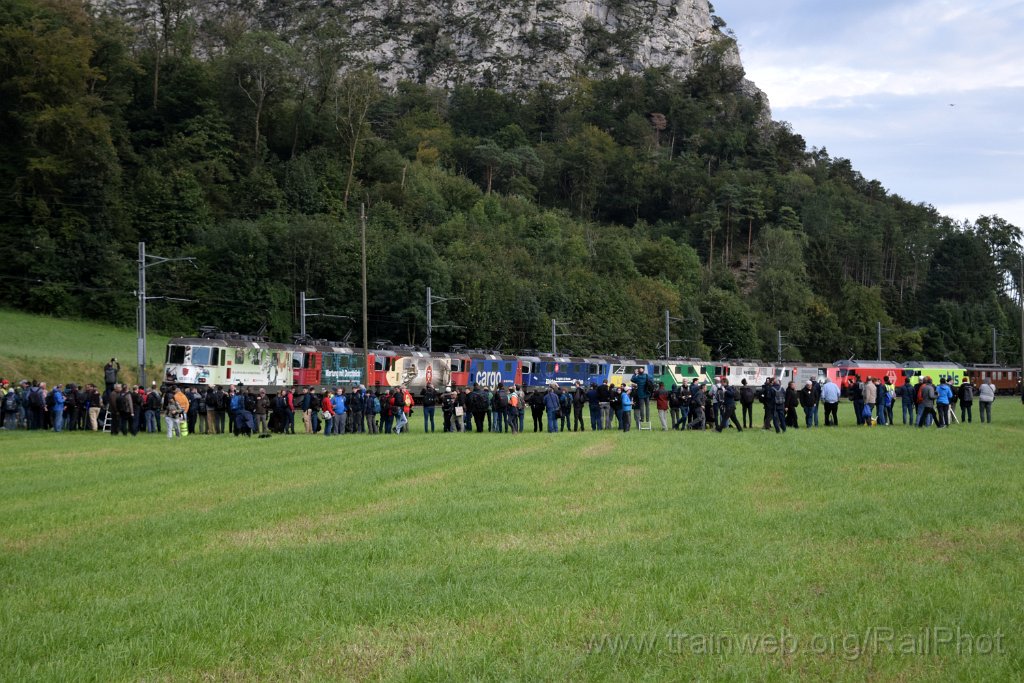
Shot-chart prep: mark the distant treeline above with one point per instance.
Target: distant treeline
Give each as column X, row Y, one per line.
column 596, row 202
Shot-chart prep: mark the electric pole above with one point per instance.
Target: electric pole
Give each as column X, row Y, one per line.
column 366, row 343
column 148, row 261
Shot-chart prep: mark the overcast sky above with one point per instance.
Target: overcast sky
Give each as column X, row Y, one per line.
column 874, row 82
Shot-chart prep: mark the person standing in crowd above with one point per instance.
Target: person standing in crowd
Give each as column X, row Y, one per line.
column 661, row 404
column 966, row 393
column 907, row 393
column 536, row 402
column 261, row 412
column 792, row 403
column 594, row 405
column 604, row 398
column 830, row 397
column 172, row 413
column 430, row 397
column 698, row 397
column 58, row 407
column 806, row 395
column 640, row 395
column 928, row 395
column 880, row 401
column 338, row 409
column 400, row 405
column 856, row 394
column 564, row 409
column 986, row 397
column 728, row 410
column 125, row 410
column 552, row 405
column 10, row 404
column 371, row 406
column 943, row 396
column 512, row 416
column 110, row 371
column 869, row 395
column 747, row 403
column 777, row 399
column 579, row 399
column 387, row 415
column 447, row 410
column 767, row 401
column 152, row 409
column 627, row 408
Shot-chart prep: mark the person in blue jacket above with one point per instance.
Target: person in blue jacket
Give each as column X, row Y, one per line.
column 627, row 409
column 58, row 407
column 338, row 402
column 552, row 404
column 943, row 396
column 641, row 395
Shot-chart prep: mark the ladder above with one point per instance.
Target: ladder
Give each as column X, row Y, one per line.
column 106, row 421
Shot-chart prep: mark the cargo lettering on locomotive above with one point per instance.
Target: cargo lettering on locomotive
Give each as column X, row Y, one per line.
column 488, row 379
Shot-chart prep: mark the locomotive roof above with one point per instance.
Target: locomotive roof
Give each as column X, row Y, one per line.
column 868, row 364
column 230, row 343
column 932, row 364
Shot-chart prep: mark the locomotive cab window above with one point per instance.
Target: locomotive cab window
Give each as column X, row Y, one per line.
column 176, row 354
column 200, row 355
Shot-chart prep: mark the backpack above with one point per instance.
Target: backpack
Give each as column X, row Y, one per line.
column 50, row 401
column 10, row 401
column 649, row 386
column 124, row 403
column 502, row 400
column 249, row 401
column 376, row 404
column 919, row 396
column 780, row 396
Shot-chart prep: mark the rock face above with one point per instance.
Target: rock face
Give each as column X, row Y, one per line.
column 514, row 44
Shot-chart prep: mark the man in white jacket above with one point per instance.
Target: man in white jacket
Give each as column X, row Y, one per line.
column 986, row 395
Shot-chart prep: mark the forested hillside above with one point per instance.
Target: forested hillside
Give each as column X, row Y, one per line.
column 599, row 202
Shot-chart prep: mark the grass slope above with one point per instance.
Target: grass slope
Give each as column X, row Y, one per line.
column 537, row 557
column 57, row 350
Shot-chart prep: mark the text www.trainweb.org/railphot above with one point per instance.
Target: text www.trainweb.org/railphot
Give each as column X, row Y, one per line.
column 871, row 641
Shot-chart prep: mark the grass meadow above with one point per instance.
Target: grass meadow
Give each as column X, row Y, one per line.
column 845, row 554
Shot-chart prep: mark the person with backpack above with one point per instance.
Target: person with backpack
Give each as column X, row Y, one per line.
column 966, row 393
column 512, row 417
column 152, row 408
column 57, row 411
column 856, row 394
column 499, row 408
column 579, row 399
column 11, row 404
column 564, row 409
column 943, row 397
column 777, row 399
column 747, row 403
column 400, row 406
column 697, row 413
column 447, row 410
column 536, row 401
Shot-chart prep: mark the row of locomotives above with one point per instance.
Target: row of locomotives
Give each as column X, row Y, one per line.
column 217, row 358
column 755, row 372
column 414, row 369
column 621, row 370
column 1007, row 380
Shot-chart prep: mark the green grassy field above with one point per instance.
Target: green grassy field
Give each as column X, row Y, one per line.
column 540, row 557
column 56, row 350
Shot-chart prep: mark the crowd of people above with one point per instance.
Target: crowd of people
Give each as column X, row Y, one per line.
column 124, row 409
